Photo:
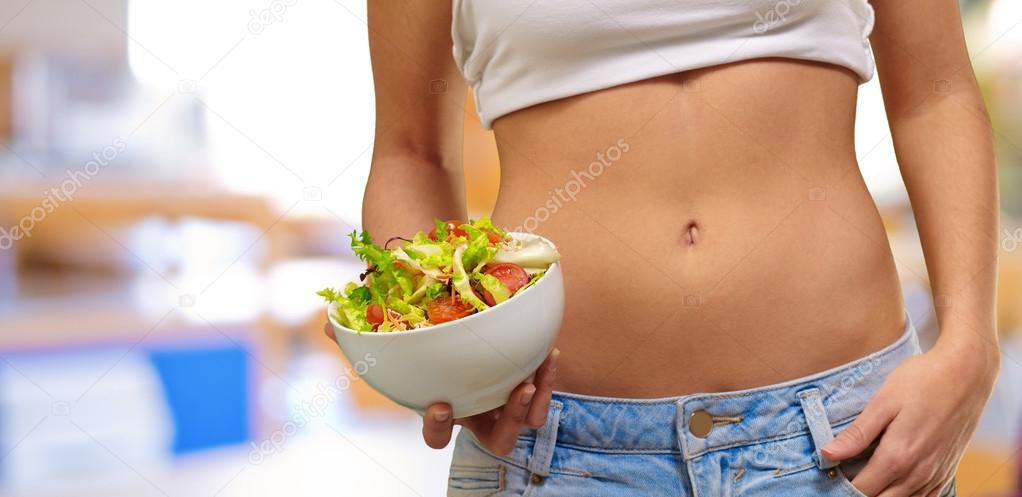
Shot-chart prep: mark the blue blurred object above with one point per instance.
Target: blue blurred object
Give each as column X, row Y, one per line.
column 207, row 390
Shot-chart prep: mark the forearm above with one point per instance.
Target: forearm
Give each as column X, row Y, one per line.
column 927, row 409
column 405, row 194
column 416, row 174
column 946, row 156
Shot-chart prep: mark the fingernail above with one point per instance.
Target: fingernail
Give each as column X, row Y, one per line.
column 831, row 447
column 441, row 416
column 553, row 359
column 527, row 394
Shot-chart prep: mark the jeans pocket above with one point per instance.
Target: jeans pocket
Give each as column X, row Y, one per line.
column 951, row 490
column 846, row 483
column 467, row 481
column 476, row 472
column 852, row 467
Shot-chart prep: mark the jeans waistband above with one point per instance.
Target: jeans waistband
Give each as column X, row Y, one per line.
column 733, row 418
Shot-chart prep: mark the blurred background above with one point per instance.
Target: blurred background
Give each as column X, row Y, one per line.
column 177, row 179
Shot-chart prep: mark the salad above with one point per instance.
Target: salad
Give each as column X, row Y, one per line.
column 455, row 270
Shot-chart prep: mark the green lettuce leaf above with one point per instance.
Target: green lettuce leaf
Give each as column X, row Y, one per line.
column 385, row 277
column 409, row 312
column 479, row 250
column 434, row 272
column 358, row 293
column 462, row 284
column 435, row 290
column 433, row 258
column 421, row 289
column 330, row 295
column 352, row 315
column 484, row 223
column 441, row 230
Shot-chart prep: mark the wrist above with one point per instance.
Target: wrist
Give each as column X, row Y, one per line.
column 976, row 354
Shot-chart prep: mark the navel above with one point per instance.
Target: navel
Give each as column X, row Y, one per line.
column 691, row 234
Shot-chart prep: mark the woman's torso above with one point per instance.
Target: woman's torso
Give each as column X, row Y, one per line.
column 788, row 270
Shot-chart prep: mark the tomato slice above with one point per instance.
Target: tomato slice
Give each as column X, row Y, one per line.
column 511, row 275
column 446, row 308
column 452, row 229
column 374, row 314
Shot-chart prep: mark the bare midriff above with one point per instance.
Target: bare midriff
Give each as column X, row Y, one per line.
column 715, row 231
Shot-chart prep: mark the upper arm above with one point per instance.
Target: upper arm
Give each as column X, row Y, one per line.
column 921, row 55
column 420, row 94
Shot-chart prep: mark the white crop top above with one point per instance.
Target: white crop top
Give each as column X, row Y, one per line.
column 518, row 53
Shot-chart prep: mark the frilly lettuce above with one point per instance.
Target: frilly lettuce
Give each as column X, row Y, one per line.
column 351, row 306
column 485, row 224
column 384, row 277
column 404, row 279
column 479, row 250
column 440, row 230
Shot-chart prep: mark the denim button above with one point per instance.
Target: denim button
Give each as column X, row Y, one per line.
column 700, row 424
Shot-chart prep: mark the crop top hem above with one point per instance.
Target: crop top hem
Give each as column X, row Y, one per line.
column 509, row 71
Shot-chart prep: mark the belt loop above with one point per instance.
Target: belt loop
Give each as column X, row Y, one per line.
column 819, row 425
column 546, row 440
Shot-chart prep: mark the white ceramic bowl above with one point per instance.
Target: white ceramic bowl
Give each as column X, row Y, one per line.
column 471, row 363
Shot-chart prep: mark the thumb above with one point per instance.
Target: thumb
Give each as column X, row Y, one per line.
column 437, row 426
column 857, row 436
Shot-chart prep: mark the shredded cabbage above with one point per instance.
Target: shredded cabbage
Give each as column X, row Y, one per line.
column 535, row 253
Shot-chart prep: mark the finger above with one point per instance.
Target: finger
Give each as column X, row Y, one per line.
column 544, row 390
column 945, row 481
column 882, row 473
column 932, row 487
column 900, row 490
column 857, row 436
column 480, row 423
column 437, row 425
column 505, row 431
column 939, row 490
column 328, row 329
column 924, row 491
column 933, row 491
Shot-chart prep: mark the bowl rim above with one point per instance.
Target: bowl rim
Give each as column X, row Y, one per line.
column 436, row 327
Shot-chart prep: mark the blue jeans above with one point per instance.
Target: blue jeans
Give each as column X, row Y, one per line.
column 751, row 443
